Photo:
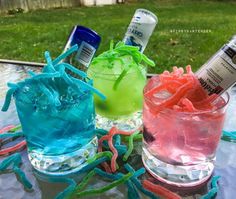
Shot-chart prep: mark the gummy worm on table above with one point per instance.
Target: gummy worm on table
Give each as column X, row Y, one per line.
column 113, row 131
column 131, row 145
column 66, row 192
column 16, row 128
column 93, row 164
column 138, row 183
column 230, row 134
column 116, row 177
column 12, row 149
column 18, row 146
column 136, row 137
column 15, row 160
column 85, row 181
column 132, row 191
column 6, row 129
column 104, row 164
column 214, row 188
column 159, row 190
column 9, row 135
column 105, row 188
column 107, row 154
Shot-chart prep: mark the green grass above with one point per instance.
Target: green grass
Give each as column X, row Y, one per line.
column 26, row 36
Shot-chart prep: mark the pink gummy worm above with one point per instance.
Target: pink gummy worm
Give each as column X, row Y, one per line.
column 104, row 164
column 189, row 70
column 188, row 104
column 12, row 149
column 177, row 72
column 156, row 89
column 175, row 97
column 7, row 128
column 179, row 93
column 115, row 155
column 173, row 86
column 113, row 131
column 208, row 100
column 159, row 190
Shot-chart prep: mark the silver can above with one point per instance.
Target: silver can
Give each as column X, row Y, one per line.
column 218, row 74
column 140, row 29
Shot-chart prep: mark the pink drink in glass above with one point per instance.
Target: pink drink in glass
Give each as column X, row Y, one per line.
column 179, row 144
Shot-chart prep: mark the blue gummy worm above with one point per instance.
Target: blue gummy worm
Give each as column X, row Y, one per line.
column 211, row 193
column 49, row 67
column 7, row 101
column 73, row 69
column 231, row 134
column 93, row 164
column 7, row 162
column 22, row 177
column 138, row 184
column 132, row 191
column 7, row 135
column 87, row 86
column 15, row 160
column 72, row 185
column 64, row 55
column 101, row 132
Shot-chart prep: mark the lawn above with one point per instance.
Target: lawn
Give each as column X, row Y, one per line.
column 26, row 36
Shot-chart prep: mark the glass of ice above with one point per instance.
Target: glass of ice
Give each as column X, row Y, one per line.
column 120, row 74
column 124, row 103
column 179, row 147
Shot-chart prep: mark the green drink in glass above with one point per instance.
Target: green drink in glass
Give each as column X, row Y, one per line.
column 119, row 74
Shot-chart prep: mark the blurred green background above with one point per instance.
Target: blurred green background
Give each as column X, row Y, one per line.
column 26, row 36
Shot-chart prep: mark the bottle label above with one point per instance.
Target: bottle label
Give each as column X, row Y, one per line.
column 85, row 53
column 135, row 35
column 140, row 29
column 219, row 73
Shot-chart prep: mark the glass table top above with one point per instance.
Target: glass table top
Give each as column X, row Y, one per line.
column 10, row 187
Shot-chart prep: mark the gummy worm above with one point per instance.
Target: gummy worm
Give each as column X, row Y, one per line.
column 113, row 132
column 99, row 155
column 138, row 183
column 230, row 134
column 105, row 165
column 132, row 191
column 115, row 155
column 159, row 190
column 214, row 188
column 108, row 137
column 22, row 177
column 7, row 135
column 136, row 137
column 68, row 190
column 131, row 146
column 85, row 180
column 92, row 165
column 14, row 129
column 12, row 149
column 16, row 161
column 105, row 188
column 6, row 129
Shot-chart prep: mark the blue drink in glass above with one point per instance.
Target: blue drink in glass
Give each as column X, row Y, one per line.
column 59, row 138
column 57, row 115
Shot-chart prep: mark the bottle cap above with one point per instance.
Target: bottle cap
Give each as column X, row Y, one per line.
column 82, row 33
